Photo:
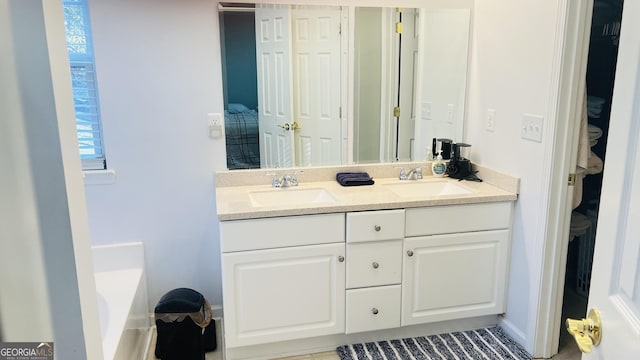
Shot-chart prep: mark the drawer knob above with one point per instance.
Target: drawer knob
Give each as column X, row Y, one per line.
column 410, row 253
column 375, row 265
column 377, row 228
column 374, row 311
column 341, row 258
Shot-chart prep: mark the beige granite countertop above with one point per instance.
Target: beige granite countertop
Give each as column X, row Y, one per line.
column 234, row 203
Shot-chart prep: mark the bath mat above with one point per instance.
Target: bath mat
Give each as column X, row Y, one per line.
column 489, row 344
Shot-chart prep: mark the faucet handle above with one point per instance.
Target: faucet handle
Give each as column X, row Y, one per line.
column 275, row 182
column 403, row 174
column 294, row 179
column 418, row 172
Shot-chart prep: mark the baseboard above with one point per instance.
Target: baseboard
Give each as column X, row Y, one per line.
column 516, row 334
column 216, row 311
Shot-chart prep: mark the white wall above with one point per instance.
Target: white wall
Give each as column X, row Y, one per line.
column 511, row 70
column 48, row 292
column 159, row 74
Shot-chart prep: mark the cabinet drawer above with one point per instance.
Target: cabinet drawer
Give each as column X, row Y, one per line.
column 278, row 232
column 374, row 263
column 373, row 308
column 375, row 225
column 458, row 218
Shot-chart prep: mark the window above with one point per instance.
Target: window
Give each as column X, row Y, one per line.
column 83, row 82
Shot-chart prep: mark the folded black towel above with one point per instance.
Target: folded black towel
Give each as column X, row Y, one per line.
column 354, row 178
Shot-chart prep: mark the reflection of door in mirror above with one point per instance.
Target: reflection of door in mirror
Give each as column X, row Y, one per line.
column 386, row 55
column 420, row 68
column 409, row 49
column 274, row 85
column 298, row 79
column 316, row 75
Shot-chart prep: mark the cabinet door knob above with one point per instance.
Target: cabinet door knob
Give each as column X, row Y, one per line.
column 410, row 253
column 341, row 258
column 375, row 265
column 374, row 311
column 377, row 228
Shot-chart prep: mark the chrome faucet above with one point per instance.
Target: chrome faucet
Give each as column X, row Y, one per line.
column 413, row 174
column 285, row 180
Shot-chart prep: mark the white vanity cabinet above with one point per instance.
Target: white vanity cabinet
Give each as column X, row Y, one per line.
column 283, row 278
column 314, row 282
column 455, row 262
column 374, row 270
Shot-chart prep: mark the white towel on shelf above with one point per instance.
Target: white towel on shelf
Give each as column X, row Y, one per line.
column 595, row 132
column 579, row 225
column 596, row 165
column 594, row 106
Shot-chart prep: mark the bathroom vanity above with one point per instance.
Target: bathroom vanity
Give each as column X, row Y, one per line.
column 362, row 263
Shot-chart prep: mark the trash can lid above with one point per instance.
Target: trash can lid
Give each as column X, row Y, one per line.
column 182, row 300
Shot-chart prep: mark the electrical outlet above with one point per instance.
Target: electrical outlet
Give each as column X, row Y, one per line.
column 532, row 127
column 214, row 118
column 491, row 119
column 216, row 125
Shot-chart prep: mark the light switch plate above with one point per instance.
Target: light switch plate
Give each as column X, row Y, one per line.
column 426, row 110
column 491, row 120
column 532, row 127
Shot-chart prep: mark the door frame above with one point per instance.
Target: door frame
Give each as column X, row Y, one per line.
column 566, row 102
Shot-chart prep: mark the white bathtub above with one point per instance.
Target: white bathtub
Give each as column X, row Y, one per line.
column 122, row 300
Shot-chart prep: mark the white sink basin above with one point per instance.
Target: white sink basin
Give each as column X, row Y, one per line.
column 290, row 196
column 414, row 189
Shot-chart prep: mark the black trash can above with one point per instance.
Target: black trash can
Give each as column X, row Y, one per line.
column 181, row 317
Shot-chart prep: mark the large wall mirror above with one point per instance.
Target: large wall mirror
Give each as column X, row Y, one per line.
column 324, row 85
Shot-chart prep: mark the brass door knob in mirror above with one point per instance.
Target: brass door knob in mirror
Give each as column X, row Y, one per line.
column 293, row 126
column 587, row 332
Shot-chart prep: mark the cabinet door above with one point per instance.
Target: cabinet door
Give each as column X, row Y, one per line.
column 454, row 276
column 283, row 294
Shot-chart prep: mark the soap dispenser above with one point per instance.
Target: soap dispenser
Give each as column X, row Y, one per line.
column 438, row 168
